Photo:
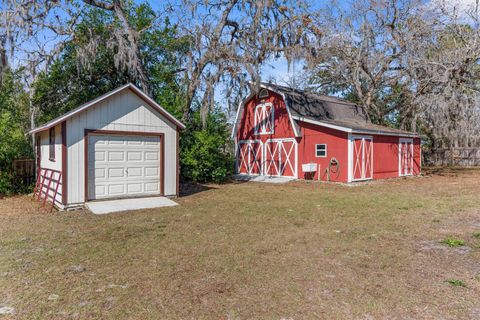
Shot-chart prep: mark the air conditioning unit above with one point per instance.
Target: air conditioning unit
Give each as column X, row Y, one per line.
column 309, row 167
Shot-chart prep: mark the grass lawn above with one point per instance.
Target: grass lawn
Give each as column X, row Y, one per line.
column 396, row 249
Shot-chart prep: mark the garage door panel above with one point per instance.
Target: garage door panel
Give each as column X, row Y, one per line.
column 100, row 173
column 149, row 155
column 152, row 187
column 122, row 166
column 135, row 188
column 100, row 190
column 134, row 156
column 116, row 173
column 152, row 172
column 134, row 172
column 116, row 156
column 116, row 189
column 98, row 156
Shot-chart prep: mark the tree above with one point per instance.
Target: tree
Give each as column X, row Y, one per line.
column 410, row 65
column 229, row 39
column 232, row 39
column 13, row 122
column 66, row 85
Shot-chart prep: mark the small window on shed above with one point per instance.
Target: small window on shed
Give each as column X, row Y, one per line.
column 321, row 150
column 51, row 144
column 263, row 94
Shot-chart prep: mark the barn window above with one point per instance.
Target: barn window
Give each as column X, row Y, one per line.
column 321, row 150
column 264, row 119
column 263, row 94
column 51, row 144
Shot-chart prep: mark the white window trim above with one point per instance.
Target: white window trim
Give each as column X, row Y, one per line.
column 263, row 96
column 272, row 119
column 316, row 150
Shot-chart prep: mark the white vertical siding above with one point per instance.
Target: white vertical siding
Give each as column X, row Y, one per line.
column 55, row 164
column 124, row 111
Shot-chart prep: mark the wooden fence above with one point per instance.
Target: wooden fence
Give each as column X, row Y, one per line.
column 23, row 173
column 464, row 157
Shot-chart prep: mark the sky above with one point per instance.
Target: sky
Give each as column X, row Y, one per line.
column 278, row 70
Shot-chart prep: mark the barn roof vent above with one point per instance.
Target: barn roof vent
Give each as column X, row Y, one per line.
column 263, row 94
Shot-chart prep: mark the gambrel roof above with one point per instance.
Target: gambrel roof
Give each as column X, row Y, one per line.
column 327, row 111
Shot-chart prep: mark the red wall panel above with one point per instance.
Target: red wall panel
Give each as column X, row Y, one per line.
column 385, row 157
column 337, row 147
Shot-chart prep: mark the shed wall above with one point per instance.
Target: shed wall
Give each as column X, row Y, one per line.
column 54, row 164
column 124, row 111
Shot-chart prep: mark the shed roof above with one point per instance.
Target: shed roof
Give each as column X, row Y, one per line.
column 87, row 105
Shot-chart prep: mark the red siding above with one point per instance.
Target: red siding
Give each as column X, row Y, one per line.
column 385, row 156
column 337, row 146
column 283, row 127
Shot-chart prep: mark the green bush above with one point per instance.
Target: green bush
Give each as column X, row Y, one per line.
column 206, row 152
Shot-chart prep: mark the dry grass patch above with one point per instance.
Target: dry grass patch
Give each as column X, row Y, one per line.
column 251, row 250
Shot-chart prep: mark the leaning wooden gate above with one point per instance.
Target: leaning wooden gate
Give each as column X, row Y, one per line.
column 46, row 187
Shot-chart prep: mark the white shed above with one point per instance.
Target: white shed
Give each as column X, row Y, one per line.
column 120, row 145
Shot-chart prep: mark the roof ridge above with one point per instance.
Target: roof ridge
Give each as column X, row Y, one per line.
column 318, row 95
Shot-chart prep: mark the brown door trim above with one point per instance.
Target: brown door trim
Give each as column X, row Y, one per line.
column 125, row 133
column 64, row 164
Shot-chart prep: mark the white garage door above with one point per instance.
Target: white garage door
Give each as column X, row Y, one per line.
column 123, row 166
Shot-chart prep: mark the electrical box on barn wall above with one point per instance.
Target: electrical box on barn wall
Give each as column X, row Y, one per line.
column 309, row 167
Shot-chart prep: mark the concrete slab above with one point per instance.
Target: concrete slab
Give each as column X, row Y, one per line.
column 110, row 206
column 265, row 179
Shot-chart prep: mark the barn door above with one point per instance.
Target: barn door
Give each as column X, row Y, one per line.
column 249, row 157
column 362, row 158
column 280, row 158
column 264, row 119
column 405, row 157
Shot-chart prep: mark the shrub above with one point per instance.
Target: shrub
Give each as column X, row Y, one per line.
column 206, row 151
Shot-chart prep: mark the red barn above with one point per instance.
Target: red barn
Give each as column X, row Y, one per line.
column 280, row 131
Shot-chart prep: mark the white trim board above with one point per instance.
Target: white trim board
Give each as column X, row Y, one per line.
column 350, row 130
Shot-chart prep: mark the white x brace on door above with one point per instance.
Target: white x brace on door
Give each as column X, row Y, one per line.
column 405, row 157
column 280, row 158
column 249, row 157
column 362, row 166
column 264, row 118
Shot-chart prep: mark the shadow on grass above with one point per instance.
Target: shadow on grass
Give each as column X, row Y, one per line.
column 191, row 188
